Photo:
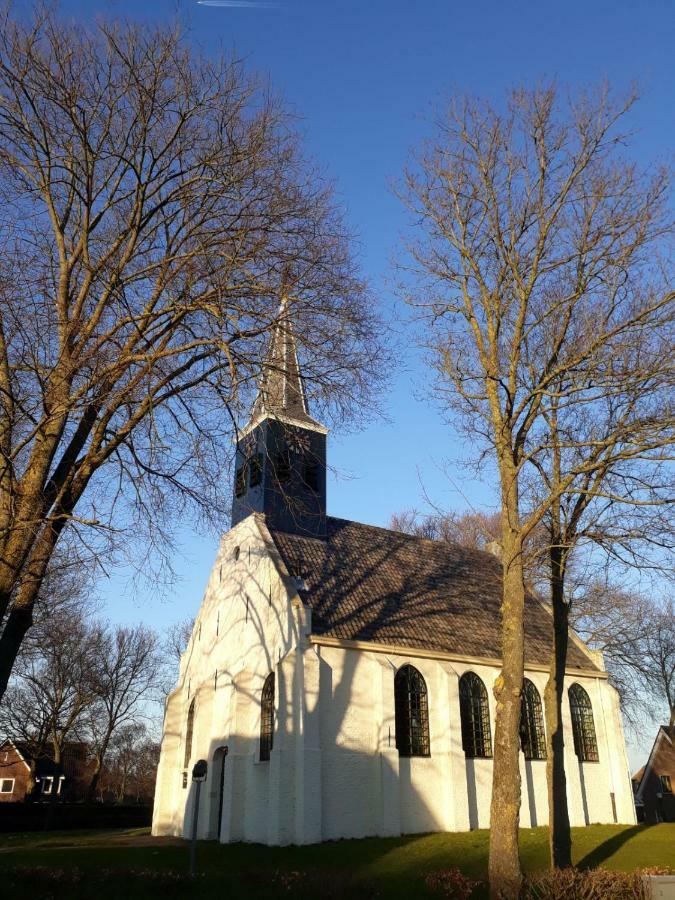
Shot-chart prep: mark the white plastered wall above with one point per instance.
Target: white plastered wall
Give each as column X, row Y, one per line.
column 247, row 627
column 368, row 789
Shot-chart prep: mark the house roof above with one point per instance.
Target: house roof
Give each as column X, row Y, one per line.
column 371, row 584
column 8, row 742
column 663, row 733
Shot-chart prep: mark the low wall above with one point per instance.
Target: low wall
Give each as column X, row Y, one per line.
column 68, row 816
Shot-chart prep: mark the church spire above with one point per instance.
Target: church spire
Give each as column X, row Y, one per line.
column 282, row 392
column 280, row 467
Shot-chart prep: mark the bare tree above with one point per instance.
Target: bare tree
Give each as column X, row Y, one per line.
column 155, row 205
column 53, row 690
column 131, row 770
column 617, row 622
column 538, row 268
column 468, row 529
column 660, row 658
column 600, row 458
column 177, row 638
column 126, row 681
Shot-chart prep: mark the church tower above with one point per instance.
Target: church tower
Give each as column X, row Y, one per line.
column 281, row 454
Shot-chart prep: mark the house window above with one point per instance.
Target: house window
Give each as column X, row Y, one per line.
column 267, row 718
column 7, row 786
column 240, row 480
column 666, row 785
column 532, row 737
column 255, row 478
column 188, row 734
column 412, row 713
column 47, row 782
column 583, row 727
column 475, row 715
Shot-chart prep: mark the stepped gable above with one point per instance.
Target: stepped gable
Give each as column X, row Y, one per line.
column 371, row 584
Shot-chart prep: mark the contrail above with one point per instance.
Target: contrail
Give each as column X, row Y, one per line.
column 239, row 4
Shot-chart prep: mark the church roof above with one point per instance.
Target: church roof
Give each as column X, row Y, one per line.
column 370, row 584
column 282, row 393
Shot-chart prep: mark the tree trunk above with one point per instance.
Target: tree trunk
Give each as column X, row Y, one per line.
column 100, row 756
column 17, row 624
column 20, row 617
column 93, row 784
column 504, row 863
column 560, row 836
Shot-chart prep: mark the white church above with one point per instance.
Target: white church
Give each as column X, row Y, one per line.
column 338, row 680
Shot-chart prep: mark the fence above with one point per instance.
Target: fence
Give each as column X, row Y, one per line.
column 42, row 816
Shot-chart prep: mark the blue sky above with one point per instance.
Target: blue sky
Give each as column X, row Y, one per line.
column 363, row 77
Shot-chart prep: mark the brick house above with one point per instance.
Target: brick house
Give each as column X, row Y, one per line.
column 654, row 797
column 15, row 774
column 27, row 775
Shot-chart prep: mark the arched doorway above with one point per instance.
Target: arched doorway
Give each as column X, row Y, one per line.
column 218, row 791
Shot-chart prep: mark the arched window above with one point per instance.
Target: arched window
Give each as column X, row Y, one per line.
column 188, row 734
column 532, row 737
column 267, row 718
column 412, row 713
column 475, row 715
column 583, row 727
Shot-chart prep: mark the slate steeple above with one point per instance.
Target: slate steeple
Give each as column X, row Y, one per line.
column 281, row 454
column 282, row 393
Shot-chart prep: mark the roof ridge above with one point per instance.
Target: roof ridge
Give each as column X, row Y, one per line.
column 418, row 537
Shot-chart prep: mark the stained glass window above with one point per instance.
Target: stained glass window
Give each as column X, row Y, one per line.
column 532, row 735
column 475, row 715
column 412, row 713
column 267, row 718
column 583, row 727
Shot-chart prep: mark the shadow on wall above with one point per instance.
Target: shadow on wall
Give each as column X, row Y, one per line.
column 259, row 803
column 243, row 794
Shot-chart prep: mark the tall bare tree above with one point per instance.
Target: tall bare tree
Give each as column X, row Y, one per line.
column 660, row 658
column 126, row 682
column 153, row 202
column 54, row 689
column 601, row 458
column 537, row 267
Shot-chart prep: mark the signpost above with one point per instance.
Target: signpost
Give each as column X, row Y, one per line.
column 199, row 771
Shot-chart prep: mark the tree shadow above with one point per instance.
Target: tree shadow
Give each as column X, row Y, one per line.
column 602, row 852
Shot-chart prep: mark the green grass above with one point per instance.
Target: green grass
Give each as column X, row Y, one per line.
column 105, row 863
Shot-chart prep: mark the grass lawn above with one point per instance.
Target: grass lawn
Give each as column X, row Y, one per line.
column 105, row 864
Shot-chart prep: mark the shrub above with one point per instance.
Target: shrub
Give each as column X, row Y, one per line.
column 336, row 886
column 592, row 884
column 450, row 883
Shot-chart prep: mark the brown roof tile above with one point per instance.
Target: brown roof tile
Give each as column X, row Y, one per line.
column 370, row 584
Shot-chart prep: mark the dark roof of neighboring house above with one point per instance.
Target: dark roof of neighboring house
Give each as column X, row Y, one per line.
column 662, row 732
column 370, row 584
